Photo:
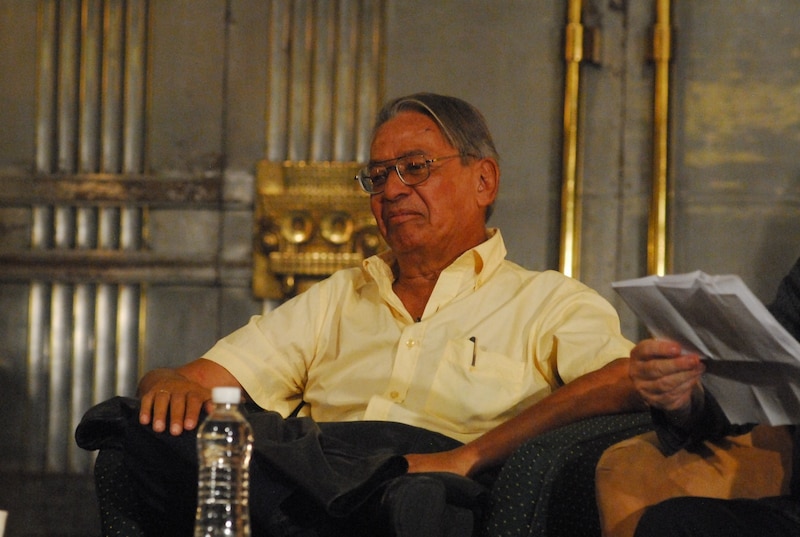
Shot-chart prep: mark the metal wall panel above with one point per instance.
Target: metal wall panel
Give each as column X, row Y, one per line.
column 78, row 132
column 127, row 212
column 736, row 123
column 325, row 78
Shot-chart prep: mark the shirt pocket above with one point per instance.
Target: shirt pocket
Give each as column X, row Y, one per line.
column 475, row 397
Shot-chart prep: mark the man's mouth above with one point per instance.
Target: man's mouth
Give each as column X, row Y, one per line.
column 398, row 217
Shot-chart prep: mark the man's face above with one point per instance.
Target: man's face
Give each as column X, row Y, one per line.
column 440, row 214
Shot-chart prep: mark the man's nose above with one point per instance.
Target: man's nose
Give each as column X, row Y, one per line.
column 393, row 180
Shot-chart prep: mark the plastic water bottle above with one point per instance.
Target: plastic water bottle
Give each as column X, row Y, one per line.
column 224, row 446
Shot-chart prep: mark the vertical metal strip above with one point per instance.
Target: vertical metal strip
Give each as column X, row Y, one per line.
column 105, row 323
column 379, row 33
column 90, row 86
column 58, row 418
column 61, row 333
column 346, row 94
column 46, row 77
column 128, row 337
column 86, row 228
column 135, row 86
column 111, row 117
column 130, row 229
column 658, row 241
column 42, row 226
column 108, row 228
column 127, row 340
column 112, row 77
column 61, row 319
column 569, row 256
column 299, row 95
column 68, row 85
column 277, row 116
column 38, row 373
column 370, row 67
column 132, row 219
column 41, row 238
column 82, row 369
column 59, row 386
column 64, row 227
column 322, row 81
column 83, row 301
column 82, row 340
column 87, row 236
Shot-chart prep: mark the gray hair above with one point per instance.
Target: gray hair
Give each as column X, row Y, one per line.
column 462, row 125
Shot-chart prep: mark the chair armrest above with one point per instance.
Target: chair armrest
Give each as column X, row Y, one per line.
column 120, row 509
column 546, row 488
column 634, row 473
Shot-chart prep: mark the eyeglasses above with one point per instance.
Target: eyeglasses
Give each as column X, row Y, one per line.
column 411, row 170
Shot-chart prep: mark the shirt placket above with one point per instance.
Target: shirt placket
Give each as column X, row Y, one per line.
column 409, row 349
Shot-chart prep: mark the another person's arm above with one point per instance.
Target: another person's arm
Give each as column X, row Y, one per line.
column 668, row 379
column 177, row 395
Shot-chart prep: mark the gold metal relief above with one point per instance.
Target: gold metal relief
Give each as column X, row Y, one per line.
column 311, row 219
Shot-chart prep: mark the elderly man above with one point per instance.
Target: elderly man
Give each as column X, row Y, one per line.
column 440, row 334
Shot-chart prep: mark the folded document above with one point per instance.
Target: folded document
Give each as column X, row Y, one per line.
column 753, row 363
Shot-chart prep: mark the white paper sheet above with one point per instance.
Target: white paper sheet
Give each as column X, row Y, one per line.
column 753, row 363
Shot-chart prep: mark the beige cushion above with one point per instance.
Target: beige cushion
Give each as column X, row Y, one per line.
column 634, row 474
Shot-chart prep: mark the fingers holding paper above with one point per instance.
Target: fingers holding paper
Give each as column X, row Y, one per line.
column 665, row 376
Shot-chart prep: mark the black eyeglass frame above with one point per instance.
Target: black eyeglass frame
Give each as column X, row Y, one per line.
column 367, row 185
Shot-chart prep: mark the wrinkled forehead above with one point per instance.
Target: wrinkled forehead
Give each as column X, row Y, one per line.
column 405, row 134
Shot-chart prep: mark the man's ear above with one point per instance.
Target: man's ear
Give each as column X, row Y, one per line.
column 489, row 181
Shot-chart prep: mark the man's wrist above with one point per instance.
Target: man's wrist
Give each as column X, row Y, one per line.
column 688, row 415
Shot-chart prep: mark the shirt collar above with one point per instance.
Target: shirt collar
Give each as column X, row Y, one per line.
column 482, row 261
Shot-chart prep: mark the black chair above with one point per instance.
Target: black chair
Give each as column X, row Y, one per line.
column 546, row 488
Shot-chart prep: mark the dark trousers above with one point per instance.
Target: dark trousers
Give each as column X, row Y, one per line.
column 307, row 479
column 710, row 517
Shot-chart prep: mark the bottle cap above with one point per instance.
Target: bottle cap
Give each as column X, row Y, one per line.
column 230, row 395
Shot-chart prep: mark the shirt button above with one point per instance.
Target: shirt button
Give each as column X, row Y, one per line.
column 394, row 395
column 410, row 343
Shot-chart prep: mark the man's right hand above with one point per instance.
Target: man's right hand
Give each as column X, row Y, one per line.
column 178, row 395
column 666, row 377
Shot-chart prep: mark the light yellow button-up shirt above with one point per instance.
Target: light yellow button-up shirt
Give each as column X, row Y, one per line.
column 494, row 339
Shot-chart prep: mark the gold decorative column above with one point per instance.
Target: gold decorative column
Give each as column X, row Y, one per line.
column 580, row 43
column 658, row 241
column 569, row 262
